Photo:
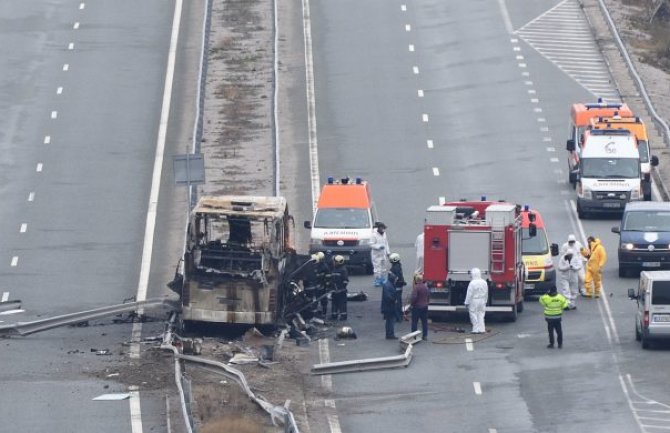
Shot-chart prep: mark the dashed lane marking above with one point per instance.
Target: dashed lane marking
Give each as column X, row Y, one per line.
column 478, row 388
column 59, row 91
column 66, row 67
column 70, row 46
column 75, row 26
column 31, row 196
column 436, row 171
column 23, row 228
column 419, row 93
column 14, row 262
column 468, row 345
column 403, row 8
column 408, row 28
column 424, row 117
column 430, row 144
column 47, row 139
column 5, row 297
column 415, row 69
column 39, row 167
column 411, row 48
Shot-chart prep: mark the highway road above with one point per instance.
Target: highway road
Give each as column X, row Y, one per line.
column 432, row 100
column 81, row 99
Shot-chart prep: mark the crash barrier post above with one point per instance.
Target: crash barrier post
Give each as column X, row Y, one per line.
column 27, row 328
column 410, row 339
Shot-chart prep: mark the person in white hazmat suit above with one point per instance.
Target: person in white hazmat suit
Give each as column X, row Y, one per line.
column 418, row 244
column 569, row 267
column 475, row 301
column 574, row 247
column 379, row 254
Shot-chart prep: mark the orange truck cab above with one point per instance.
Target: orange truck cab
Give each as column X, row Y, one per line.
column 537, row 254
column 580, row 120
column 343, row 222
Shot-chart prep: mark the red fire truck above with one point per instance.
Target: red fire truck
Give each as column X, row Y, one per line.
column 459, row 236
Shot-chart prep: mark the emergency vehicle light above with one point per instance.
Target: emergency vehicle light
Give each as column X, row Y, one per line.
column 359, row 181
column 483, row 198
column 331, row 180
column 526, row 208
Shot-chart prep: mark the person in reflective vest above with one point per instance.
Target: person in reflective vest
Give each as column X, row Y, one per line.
column 554, row 303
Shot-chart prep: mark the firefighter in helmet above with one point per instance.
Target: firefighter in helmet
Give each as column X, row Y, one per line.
column 339, row 295
column 396, row 269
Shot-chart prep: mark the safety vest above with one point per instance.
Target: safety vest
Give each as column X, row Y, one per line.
column 553, row 305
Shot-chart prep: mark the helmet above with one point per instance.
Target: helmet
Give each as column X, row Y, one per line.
column 572, row 238
column 317, row 257
column 394, row 257
column 338, row 259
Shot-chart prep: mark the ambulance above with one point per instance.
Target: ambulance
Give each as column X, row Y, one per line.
column 637, row 127
column 537, row 254
column 344, row 222
column 609, row 172
column 580, row 120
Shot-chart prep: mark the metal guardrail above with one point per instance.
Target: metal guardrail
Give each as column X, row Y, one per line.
column 10, row 305
column 365, row 364
column 640, row 85
column 27, row 328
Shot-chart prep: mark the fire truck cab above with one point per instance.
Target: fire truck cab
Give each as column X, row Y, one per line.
column 459, row 236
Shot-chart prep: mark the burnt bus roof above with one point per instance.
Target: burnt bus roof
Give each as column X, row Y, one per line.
column 249, row 206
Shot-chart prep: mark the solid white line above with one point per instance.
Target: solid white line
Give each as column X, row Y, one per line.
column 420, row 93
column 5, row 297
column 135, row 411
column 23, row 228
column 152, row 208
column 630, row 403
column 47, row 139
column 430, row 144
column 505, row 15
column 75, row 26
column 324, row 358
column 468, row 345
column 70, row 46
column 39, row 167
column 66, row 67
column 14, row 262
column 59, row 91
column 436, row 171
column 311, row 104
column 478, row 388
column 424, row 117
column 54, row 114
column 334, row 424
column 31, row 196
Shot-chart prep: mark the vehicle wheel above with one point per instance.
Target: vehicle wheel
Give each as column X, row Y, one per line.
column 623, row 272
column 511, row 317
column 638, row 336
column 519, row 306
column 646, row 344
column 580, row 213
column 369, row 270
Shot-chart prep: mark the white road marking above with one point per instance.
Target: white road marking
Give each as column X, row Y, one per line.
column 311, row 104
column 492, row 430
column 411, row 48
column 135, row 410
column 82, row 6
column 39, row 167
column 5, row 297
column 519, row 57
column 436, row 171
column 534, row 100
column 553, row 159
column 408, row 28
column 478, row 388
column 516, row 48
column 334, row 424
column 551, row 149
column 531, row 91
column 47, row 139
column 75, row 26
column 23, row 228
column 59, row 91
column 14, row 262
column 70, row 46
column 537, row 110
column 544, row 129
column 152, row 207
column 468, row 345
column 54, row 114
column 514, row 40
column 419, row 93
column 66, row 67
column 528, row 83
column 403, row 8
column 430, row 144
column 525, row 74
column 415, row 69
column 522, row 65
column 506, row 18
column 424, row 117
column 545, row 139
column 541, row 119
column 31, row 196
column 441, row 200
column 324, row 358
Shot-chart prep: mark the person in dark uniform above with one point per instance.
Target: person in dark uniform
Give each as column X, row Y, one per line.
column 339, row 295
column 324, row 282
column 396, row 269
column 388, row 305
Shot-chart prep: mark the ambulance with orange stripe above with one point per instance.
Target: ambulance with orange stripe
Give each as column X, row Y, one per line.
column 580, row 121
column 344, row 222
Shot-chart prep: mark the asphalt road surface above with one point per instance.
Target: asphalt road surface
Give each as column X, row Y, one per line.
column 81, row 93
column 432, row 99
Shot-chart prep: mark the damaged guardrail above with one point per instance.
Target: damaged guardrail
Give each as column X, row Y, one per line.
column 365, row 364
column 9, row 306
column 27, row 328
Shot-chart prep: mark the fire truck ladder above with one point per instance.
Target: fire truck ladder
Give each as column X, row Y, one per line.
column 497, row 250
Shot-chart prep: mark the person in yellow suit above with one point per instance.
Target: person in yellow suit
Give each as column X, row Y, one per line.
column 597, row 257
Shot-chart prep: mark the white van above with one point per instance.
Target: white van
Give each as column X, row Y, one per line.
column 652, row 320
